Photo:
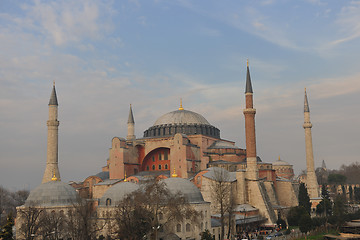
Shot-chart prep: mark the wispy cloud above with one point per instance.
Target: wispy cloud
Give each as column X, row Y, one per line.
column 348, row 22
column 66, row 22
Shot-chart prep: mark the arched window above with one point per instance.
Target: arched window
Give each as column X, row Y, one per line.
column 188, row 227
column 147, row 168
column 166, row 166
column 159, row 167
column 108, row 202
column 202, row 226
column 178, row 228
column 153, row 167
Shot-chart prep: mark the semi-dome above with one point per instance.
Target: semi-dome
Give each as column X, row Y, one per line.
column 181, row 121
column 181, row 117
column 115, row 194
column 184, row 186
column 53, row 193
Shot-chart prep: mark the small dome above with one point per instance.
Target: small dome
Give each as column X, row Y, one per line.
column 281, row 163
column 181, row 117
column 190, row 191
column 53, row 193
column 117, row 193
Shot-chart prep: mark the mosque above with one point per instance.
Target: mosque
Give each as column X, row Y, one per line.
column 186, row 152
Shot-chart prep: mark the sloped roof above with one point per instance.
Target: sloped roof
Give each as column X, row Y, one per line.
column 216, row 173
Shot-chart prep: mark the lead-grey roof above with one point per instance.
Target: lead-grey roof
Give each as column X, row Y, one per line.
column 244, row 208
column 216, row 173
column 131, row 116
column 103, row 175
column 184, row 186
column 53, row 193
column 53, row 97
column 306, row 104
column 118, row 192
column 222, row 145
column 248, row 88
column 181, row 117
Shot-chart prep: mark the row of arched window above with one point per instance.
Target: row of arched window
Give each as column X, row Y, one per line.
column 153, row 167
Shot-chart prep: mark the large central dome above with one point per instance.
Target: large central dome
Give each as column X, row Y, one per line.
column 181, row 117
column 182, row 121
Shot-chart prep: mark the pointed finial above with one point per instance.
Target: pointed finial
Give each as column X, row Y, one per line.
column 131, row 116
column 125, row 180
column 247, row 62
column 306, row 104
column 279, row 157
column 54, row 178
column 181, row 107
column 248, row 87
column 53, row 97
column 174, row 174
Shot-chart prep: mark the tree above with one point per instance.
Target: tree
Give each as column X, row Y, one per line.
column 81, row 221
column 7, row 232
column 222, row 195
column 335, row 178
column 304, row 199
column 133, row 220
column 325, row 192
column 294, row 215
column 54, row 226
column 150, row 209
column 339, row 211
column 351, row 194
column 206, row 235
column 324, row 207
column 31, row 222
column 357, row 194
column 305, row 223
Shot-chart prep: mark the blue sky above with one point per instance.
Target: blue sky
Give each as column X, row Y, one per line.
column 105, row 55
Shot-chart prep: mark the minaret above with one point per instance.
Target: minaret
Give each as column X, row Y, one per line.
column 249, row 113
column 131, row 126
column 311, row 182
column 52, row 169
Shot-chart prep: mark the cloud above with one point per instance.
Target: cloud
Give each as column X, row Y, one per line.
column 64, row 22
column 348, row 22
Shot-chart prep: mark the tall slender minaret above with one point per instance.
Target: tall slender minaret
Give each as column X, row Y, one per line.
column 249, row 113
column 131, row 126
column 52, row 169
column 311, row 182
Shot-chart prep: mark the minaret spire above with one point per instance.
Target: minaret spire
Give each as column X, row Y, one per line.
column 52, row 168
column 248, row 88
column 249, row 113
column 131, row 126
column 311, row 181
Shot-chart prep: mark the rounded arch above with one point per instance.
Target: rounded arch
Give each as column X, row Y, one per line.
column 156, row 160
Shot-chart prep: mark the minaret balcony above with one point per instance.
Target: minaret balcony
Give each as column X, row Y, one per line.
column 249, row 111
column 52, row 123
